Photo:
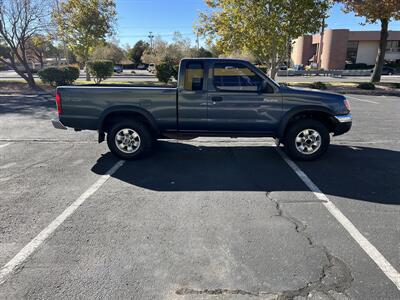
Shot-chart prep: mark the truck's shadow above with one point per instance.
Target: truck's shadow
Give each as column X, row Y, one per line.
column 367, row 174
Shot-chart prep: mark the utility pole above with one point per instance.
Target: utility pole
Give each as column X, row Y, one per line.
column 151, row 37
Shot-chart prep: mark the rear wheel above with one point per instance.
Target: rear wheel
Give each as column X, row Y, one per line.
column 129, row 139
column 307, row 140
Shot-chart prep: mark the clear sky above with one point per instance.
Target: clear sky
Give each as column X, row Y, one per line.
column 137, row 17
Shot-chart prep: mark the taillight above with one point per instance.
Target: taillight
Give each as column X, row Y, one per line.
column 58, row 102
column 347, row 104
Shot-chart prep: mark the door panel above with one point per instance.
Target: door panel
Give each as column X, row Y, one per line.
column 192, row 98
column 244, row 111
column 236, row 101
column 192, row 110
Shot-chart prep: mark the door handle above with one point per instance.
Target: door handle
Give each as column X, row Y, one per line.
column 217, row 99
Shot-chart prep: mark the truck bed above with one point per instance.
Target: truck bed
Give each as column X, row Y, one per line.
column 83, row 106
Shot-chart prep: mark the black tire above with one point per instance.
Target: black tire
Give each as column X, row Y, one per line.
column 291, row 146
column 145, row 139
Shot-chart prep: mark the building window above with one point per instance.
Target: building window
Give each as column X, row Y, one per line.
column 352, row 49
column 393, row 46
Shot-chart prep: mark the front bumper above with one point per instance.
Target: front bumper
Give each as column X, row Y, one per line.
column 344, row 118
column 57, row 124
column 344, row 123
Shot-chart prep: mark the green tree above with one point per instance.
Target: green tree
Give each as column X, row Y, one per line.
column 109, row 51
column 374, row 11
column 40, row 47
column 100, row 69
column 20, row 20
column 264, row 28
column 179, row 48
column 166, row 70
column 135, row 54
column 201, row 52
column 84, row 24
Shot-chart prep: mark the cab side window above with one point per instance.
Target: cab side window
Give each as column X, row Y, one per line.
column 235, row 77
column 194, row 77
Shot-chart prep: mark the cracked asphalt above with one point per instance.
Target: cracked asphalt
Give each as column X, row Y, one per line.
column 210, row 218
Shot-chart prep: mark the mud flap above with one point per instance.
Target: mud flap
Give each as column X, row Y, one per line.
column 101, row 137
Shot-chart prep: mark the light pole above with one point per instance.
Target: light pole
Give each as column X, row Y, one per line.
column 151, row 37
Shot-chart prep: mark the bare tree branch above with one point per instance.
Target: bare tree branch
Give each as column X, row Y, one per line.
column 19, row 21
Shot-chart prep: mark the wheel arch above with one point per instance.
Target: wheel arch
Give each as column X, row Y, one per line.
column 324, row 115
column 113, row 114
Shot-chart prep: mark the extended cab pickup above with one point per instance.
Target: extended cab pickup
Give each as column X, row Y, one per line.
column 214, row 97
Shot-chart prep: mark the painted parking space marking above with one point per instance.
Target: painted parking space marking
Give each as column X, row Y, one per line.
column 6, row 166
column 370, row 249
column 5, row 145
column 37, row 241
column 362, row 100
column 344, row 142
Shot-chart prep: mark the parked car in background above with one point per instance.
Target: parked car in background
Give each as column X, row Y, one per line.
column 299, row 67
column 118, row 69
column 388, row 70
column 282, row 67
column 141, row 66
column 214, row 97
column 151, row 68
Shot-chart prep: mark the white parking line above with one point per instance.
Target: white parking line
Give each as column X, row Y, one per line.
column 362, row 100
column 22, row 255
column 6, row 166
column 370, row 249
column 5, row 145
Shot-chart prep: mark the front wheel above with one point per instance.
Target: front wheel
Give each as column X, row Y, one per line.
column 307, row 140
column 129, row 139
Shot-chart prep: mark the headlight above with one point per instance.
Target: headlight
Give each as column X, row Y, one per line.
column 347, row 104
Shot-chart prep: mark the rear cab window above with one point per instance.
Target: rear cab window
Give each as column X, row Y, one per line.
column 194, row 76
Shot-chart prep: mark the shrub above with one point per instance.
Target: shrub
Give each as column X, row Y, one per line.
column 395, row 85
column 318, row 85
column 100, row 69
column 59, row 76
column 166, row 70
column 366, row 86
column 71, row 74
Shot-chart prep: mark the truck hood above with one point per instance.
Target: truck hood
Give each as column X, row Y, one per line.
column 312, row 93
column 306, row 97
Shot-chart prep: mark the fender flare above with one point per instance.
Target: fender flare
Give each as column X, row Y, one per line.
column 127, row 109
column 298, row 110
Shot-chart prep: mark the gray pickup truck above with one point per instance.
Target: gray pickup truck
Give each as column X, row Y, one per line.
column 214, row 97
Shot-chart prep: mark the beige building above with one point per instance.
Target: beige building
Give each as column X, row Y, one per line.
column 342, row 45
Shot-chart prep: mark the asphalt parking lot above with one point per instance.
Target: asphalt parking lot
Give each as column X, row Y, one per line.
column 202, row 219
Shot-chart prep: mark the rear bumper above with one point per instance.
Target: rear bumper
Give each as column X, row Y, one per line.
column 344, row 123
column 57, row 124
